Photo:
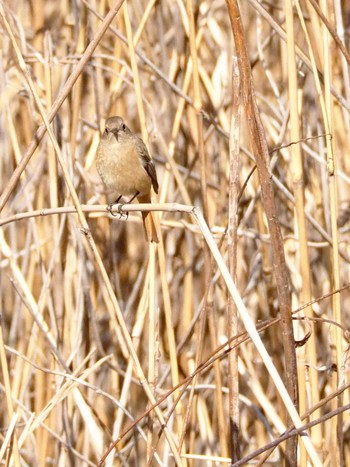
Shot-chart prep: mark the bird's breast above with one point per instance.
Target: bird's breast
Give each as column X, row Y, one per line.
column 121, row 169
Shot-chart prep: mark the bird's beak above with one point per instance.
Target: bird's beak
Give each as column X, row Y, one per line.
column 115, row 132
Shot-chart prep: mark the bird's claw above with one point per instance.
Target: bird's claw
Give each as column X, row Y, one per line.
column 119, row 211
column 109, row 208
column 122, row 213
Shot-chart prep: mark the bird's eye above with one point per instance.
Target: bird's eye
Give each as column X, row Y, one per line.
column 123, row 127
column 106, row 131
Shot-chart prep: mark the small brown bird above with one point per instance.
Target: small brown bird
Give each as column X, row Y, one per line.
column 125, row 167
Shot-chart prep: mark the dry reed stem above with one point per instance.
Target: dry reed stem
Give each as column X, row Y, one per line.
column 301, row 233
column 232, row 247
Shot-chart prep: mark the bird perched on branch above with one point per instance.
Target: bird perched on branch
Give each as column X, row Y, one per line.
column 126, row 168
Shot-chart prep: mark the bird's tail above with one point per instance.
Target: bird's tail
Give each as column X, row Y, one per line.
column 149, row 224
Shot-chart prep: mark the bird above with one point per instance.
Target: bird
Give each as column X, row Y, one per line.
column 126, row 168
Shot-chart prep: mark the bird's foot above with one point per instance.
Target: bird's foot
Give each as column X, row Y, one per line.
column 119, row 211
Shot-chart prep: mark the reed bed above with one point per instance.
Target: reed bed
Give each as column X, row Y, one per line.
column 214, row 347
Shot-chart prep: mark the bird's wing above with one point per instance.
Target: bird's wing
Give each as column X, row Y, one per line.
column 148, row 164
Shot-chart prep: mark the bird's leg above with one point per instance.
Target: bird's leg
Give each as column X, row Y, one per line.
column 118, row 199
column 128, row 202
column 132, row 199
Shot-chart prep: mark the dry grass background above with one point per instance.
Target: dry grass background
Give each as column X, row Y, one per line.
column 70, row 382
